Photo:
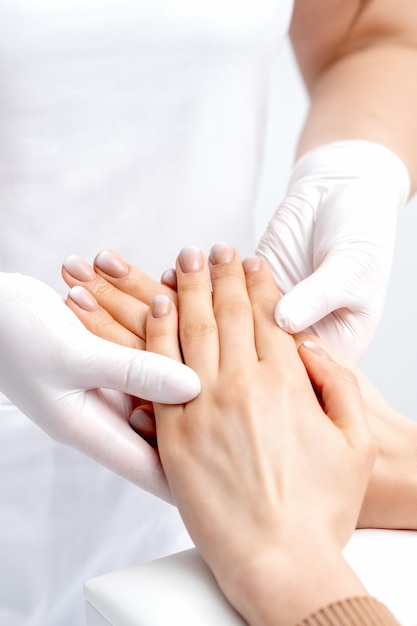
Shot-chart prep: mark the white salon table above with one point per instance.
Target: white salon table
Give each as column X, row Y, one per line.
column 179, row 590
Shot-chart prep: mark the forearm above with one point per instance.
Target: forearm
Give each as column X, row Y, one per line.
column 391, row 498
column 359, row 62
column 370, row 95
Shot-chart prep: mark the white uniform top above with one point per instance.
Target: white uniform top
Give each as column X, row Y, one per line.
column 135, row 125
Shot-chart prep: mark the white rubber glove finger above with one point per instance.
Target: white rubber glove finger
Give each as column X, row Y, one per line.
column 333, row 314
column 330, row 243
column 35, row 321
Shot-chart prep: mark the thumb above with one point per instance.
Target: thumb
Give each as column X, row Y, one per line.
column 324, row 291
column 150, row 376
column 339, row 302
column 339, row 392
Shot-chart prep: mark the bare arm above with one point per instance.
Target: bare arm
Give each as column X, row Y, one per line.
column 359, row 63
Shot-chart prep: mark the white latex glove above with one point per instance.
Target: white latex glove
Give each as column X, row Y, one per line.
column 64, row 378
column 330, row 243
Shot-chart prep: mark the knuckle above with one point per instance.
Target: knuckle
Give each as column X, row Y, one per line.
column 195, row 330
column 346, row 375
column 102, row 290
column 234, row 309
column 192, row 283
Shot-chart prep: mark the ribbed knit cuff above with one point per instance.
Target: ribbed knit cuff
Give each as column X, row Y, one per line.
column 360, row 611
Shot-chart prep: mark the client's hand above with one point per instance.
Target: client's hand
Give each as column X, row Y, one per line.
column 112, row 301
column 267, row 468
column 390, row 501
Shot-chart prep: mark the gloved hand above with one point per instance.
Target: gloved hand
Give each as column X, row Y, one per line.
column 330, row 243
column 76, row 386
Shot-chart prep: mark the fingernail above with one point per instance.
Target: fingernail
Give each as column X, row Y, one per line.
column 83, row 298
column 169, row 278
column 221, row 253
column 252, row 264
column 314, row 347
column 78, row 268
column 191, row 259
column 161, row 305
column 143, row 422
column 112, row 264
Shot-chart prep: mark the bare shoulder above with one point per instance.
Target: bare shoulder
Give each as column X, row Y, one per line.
column 324, row 30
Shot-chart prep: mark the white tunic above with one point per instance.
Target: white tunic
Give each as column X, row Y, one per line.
column 135, row 125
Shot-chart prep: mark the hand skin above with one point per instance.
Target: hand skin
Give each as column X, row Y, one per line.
column 391, row 497
column 123, row 292
column 268, row 483
column 356, row 59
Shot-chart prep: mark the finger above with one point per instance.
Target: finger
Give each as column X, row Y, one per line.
column 139, row 373
column 162, row 331
column 232, row 307
column 272, row 343
column 130, row 279
column 162, row 328
column 331, row 308
column 197, row 324
column 125, row 309
column 169, row 279
column 98, row 321
column 143, row 423
column 339, row 393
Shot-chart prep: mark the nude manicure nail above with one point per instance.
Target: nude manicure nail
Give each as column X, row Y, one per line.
column 314, row 347
column 191, row 259
column 83, row 298
column 221, row 253
column 112, row 264
column 169, row 278
column 252, row 264
column 78, row 268
column 161, row 305
column 143, row 422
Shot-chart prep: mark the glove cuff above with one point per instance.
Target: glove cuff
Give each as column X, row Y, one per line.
column 354, row 159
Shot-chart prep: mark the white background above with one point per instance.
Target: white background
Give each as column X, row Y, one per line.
column 391, row 361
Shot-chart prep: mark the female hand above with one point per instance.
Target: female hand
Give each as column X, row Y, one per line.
column 391, row 495
column 264, row 465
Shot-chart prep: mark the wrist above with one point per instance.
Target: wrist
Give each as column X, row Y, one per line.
column 286, row 585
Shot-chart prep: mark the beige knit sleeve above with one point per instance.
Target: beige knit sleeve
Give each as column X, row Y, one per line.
column 360, row 611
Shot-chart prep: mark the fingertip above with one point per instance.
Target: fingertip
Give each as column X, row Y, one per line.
column 77, row 269
column 252, row 264
column 178, row 384
column 283, row 322
column 286, row 321
column 169, row 278
column 161, row 306
column 192, row 384
column 143, row 422
column 162, row 328
column 83, row 299
column 313, row 347
column 112, row 264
